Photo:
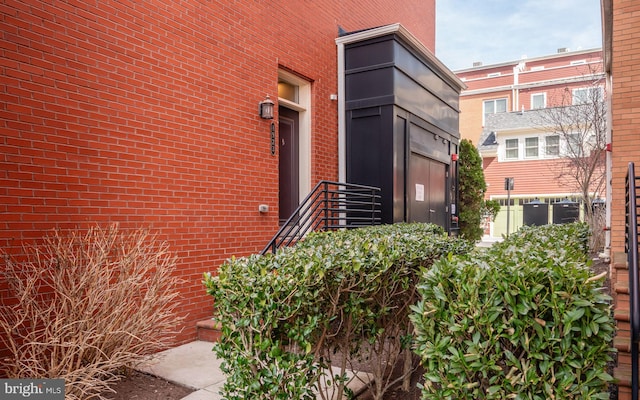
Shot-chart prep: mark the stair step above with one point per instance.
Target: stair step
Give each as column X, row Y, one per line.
column 209, row 330
column 621, row 315
column 622, row 375
column 622, row 287
column 620, row 265
column 622, row 344
column 620, row 260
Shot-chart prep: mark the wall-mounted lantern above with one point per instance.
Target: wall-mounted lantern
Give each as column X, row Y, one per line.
column 266, row 108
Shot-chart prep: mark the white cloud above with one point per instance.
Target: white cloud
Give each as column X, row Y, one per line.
column 494, row 31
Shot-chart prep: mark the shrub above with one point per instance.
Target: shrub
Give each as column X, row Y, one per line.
column 472, row 189
column 336, row 298
column 572, row 240
column 90, row 304
column 523, row 320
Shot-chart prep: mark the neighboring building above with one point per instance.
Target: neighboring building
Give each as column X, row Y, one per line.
column 621, row 27
column 503, row 113
column 523, row 85
column 145, row 114
column 514, row 146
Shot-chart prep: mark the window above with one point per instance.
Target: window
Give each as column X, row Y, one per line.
column 493, row 75
column 288, row 91
column 587, row 95
column 578, row 62
column 531, row 147
column 511, row 149
column 503, row 202
column 538, row 100
column 493, row 107
column 552, row 145
column 574, row 145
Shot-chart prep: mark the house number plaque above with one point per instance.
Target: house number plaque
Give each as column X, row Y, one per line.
column 273, row 139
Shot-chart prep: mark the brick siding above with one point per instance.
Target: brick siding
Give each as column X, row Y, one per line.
column 145, row 114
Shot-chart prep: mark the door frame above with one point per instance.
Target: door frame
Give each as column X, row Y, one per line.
column 303, row 107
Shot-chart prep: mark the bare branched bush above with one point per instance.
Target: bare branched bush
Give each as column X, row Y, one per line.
column 87, row 306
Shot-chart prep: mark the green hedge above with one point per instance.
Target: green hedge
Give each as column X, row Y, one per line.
column 346, row 292
column 524, row 320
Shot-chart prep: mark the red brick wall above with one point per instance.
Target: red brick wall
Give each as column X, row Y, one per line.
column 625, row 106
column 625, row 120
column 145, row 113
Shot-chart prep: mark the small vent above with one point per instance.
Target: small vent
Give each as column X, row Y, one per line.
column 477, row 64
column 563, row 50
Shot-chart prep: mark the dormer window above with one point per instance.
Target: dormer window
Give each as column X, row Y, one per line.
column 531, row 147
column 511, row 149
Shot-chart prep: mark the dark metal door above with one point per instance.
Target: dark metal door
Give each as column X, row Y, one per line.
column 289, row 165
column 437, row 193
column 427, row 190
column 418, row 186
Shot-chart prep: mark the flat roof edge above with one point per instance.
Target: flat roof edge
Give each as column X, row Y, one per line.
column 400, row 30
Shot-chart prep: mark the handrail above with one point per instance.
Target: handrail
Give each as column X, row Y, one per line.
column 631, row 247
column 329, row 206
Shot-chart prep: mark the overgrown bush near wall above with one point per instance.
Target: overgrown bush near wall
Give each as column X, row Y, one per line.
column 337, row 298
column 525, row 320
column 89, row 304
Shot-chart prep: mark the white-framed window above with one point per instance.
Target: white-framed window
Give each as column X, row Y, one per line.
column 494, row 106
column 531, row 147
column 493, row 75
column 552, row 145
column 575, row 146
column 538, row 100
column 578, row 62
column 586, row 95
column 511, row 149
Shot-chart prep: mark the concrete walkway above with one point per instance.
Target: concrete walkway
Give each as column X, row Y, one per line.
column 196, row 366
column 193, row 365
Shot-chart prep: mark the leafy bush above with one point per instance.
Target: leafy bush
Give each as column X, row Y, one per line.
column 523, row 320
column 90, row 304
column 571, row 240
column 336, row 298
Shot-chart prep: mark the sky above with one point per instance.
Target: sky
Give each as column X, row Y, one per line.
column 495, row 31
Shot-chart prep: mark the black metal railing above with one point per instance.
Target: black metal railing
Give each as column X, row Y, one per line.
column 329, row 206
column 631, row 248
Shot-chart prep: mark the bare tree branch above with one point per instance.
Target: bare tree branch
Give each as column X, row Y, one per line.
column 580, row 123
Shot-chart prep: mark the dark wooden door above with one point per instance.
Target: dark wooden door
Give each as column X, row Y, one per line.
column 289, row 164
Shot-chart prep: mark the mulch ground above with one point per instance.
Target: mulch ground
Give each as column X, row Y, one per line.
column 140, row 386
